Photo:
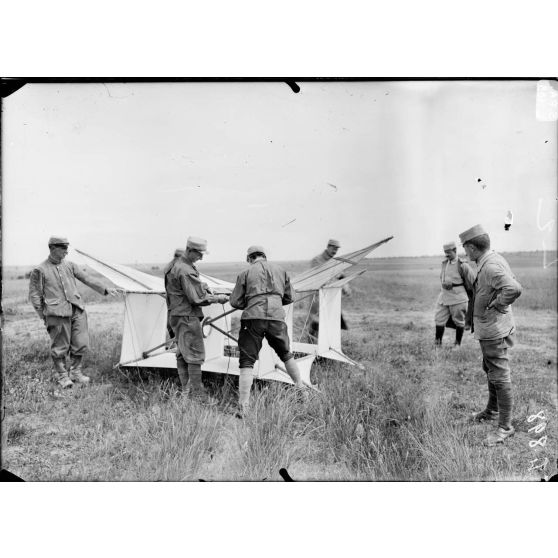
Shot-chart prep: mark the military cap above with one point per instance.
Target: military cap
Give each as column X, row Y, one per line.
column 57, row 240
column 450, row 246
column 471, row 233
column 196, row 243
column 332, row 242
column 254, row 249
column 178, row 252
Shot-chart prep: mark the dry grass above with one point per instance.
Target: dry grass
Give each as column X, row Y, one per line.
column 402, row 418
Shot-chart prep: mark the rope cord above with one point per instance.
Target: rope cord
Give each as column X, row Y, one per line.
column 307, row 316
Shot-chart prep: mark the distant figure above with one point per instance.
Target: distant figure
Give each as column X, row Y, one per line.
column 495, row 289
column 177, row 254
column 330, row 251
column 457, row 279
column 186, row 294
column 54, row 294
column 261, row 291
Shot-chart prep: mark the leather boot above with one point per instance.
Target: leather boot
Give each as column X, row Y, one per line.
column 61, row 374
column 505, row 404
column 439, row 334
column 459, row 335
column 76, row 375
column 198, row 391
column 183, row 376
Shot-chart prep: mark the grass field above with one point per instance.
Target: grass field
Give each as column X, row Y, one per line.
column 404, row 417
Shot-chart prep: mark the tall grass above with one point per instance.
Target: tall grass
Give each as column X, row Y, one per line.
column 404, row 417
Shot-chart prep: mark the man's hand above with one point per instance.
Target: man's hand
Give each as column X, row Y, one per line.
column 496, row 307
column 222, row 299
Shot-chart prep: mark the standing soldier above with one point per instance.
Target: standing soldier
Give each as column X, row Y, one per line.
column 177, row 253
column 186, row 294
column 261, row 291
column 495, row 289
column 54, row 294
column 457, row 279
column 330, row 251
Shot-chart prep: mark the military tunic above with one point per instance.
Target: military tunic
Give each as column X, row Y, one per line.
column 453, row 302
column 186, row 294
column 496, row 286
column 261, row 291
column 55, row 297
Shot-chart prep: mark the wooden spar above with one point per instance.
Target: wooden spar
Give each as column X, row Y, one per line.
column 114, row 269
column 145, row 353
column 222, row 331
column 208, row 322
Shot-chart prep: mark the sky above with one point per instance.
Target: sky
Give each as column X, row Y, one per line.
column 128, row 171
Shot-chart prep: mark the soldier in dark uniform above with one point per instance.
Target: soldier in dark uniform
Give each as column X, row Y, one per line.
column 186, row 295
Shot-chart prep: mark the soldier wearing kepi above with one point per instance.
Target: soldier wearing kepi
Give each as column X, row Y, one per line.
column 54, row 294
column 186, row 295
column 331, row 249
column 495, row 289
column 457, row 279
column 261, row 291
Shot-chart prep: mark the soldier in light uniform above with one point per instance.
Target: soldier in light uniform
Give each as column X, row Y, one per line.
column 457, row 278
column 331, row 249
column 495, row 289
column 186, row 295
column 261, row 291
column 54, row 294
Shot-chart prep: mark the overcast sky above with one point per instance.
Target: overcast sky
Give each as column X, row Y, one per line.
column 129, row 171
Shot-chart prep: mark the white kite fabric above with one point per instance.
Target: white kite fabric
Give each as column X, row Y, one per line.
column 317, row 277
column 144, row 336
column 134, row 281
column 125, row 277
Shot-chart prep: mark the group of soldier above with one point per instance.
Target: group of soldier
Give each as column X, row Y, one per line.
column 477, row 298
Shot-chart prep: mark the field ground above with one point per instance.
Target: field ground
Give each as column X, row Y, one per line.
column 404, row 417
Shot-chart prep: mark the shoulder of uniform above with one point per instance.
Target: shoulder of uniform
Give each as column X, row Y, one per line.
column 182, row 266
column 44, row 264
column 242, row 275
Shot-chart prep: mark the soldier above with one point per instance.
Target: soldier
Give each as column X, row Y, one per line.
column 54, row 294
column 457, row 279
column 261, row 291
column 186, row 295
column 495, row 289
column 330, row 251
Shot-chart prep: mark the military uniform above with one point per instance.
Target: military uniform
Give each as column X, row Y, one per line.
column 261, row 292
column 54, row 294
column 177, row 253
column 186, row 295
column 495, row 289
column 457, row 279
column 494, row 327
